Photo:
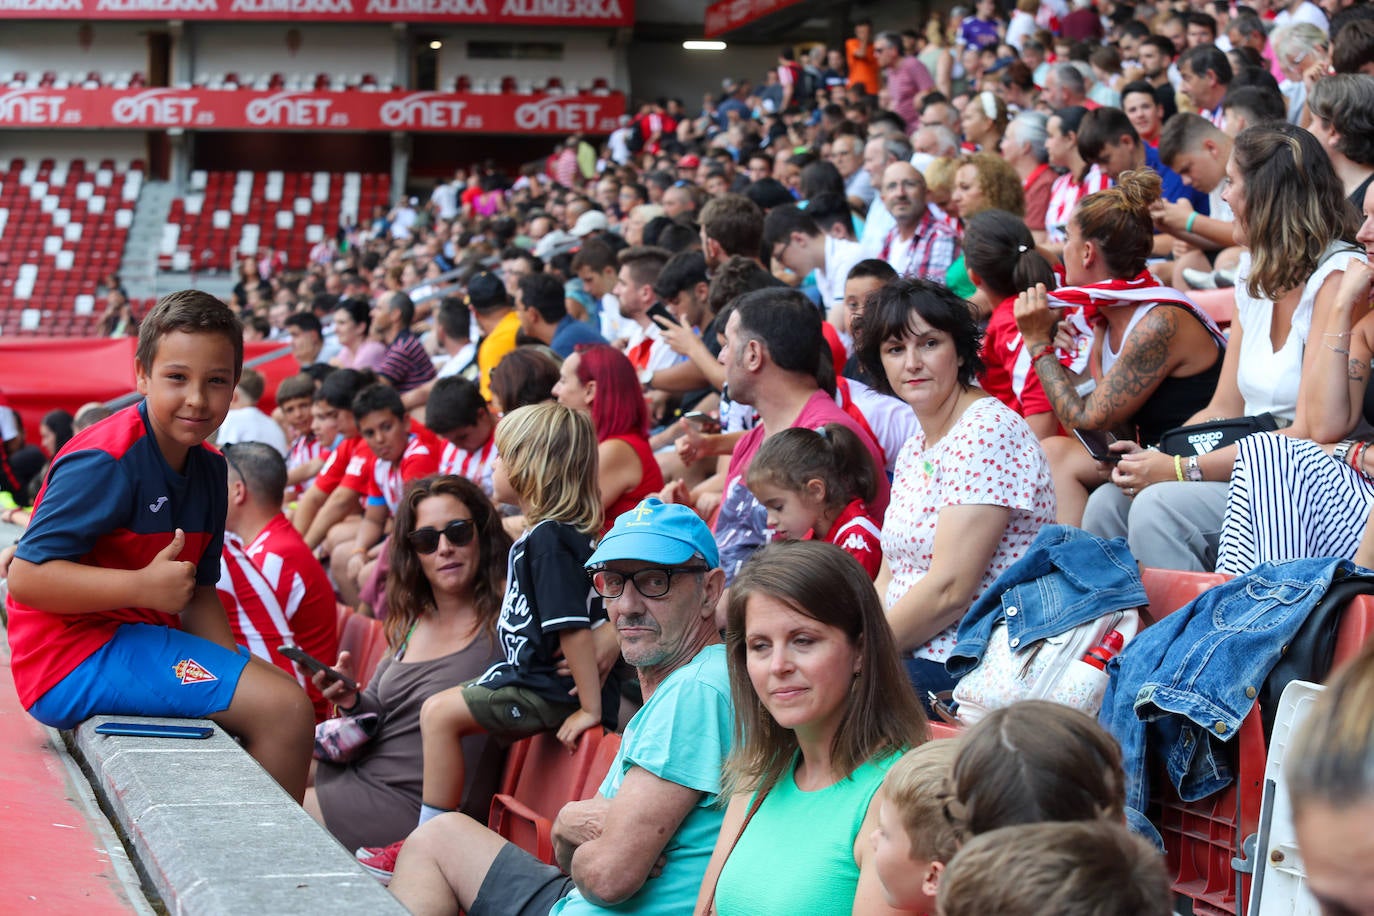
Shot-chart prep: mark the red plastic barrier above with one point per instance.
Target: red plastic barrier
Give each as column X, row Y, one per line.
column 39, row 374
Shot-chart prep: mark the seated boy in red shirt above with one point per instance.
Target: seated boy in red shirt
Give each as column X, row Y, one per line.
column 112, row 604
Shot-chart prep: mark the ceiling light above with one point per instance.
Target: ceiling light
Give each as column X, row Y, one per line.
column 703, row 46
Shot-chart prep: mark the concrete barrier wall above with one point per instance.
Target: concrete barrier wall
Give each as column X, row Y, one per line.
column 214, row 835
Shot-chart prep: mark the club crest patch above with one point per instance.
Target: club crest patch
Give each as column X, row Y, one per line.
column 191, row 671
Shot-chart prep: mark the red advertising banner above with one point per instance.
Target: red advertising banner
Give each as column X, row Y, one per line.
column 723, row 16
column 247, row 109
column 563, row 13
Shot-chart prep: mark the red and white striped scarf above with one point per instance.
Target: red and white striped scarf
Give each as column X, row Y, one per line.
column 1144, row 288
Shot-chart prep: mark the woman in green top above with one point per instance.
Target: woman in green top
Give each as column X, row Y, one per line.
column 822, row 709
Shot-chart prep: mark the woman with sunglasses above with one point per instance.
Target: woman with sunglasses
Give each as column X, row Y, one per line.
column 444, row 591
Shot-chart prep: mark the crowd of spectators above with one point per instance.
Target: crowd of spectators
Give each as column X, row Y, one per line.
column 881, row 298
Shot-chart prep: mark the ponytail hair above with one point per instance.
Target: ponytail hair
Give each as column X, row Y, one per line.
column 832, row 453
column 999, row 248
column 1118, row 220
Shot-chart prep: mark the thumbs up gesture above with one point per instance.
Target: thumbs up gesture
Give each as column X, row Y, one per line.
column 169, row 582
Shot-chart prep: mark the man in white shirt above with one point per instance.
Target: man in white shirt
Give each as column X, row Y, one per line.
column 245, row 422
column 798, row 243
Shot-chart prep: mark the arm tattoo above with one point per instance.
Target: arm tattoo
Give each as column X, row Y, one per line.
column 1128, row 380
column 1355, row 370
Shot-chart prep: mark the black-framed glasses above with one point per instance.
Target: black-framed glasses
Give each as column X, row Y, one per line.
column 653, row 582
column 459, row 532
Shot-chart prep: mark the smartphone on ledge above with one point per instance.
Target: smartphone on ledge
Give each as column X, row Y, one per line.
column 1096, row 442
column 153, row 730
column 301, row 657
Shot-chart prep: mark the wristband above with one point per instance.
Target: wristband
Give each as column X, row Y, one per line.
column 1188, row 226
column 1046, row 350
column 1178, row 467
column 1357, row 456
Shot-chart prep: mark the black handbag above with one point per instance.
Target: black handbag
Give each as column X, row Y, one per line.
column 1201, row 438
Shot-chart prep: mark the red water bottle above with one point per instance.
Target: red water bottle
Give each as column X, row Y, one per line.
column 1105, row 651
column 1084, row 681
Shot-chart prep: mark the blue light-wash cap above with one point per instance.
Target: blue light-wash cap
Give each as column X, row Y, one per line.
column 657, row 532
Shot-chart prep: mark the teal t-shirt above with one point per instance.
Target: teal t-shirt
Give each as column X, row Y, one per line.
column 682, row 735
column 797, row 854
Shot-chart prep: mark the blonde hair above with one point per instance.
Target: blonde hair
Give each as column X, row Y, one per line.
column 1336, row 766
column 939, row 176
column 549, row 454
column 998, row 181
column 918, row 788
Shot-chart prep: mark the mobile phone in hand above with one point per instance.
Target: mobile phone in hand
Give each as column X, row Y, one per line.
column 301, row 657
column 704, row 422
column 1096, row 442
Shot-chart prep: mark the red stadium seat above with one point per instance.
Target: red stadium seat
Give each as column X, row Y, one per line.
column 1170, row 589
column 548, row 778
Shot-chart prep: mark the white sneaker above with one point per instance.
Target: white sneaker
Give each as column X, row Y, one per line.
column 1199, row 279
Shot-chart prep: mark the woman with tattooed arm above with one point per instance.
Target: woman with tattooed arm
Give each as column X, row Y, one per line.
column 1155, row 359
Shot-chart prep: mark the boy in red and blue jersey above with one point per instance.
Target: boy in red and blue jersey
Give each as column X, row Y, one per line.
column 112, row 604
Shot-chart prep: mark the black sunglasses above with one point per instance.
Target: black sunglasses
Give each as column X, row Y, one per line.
column 459, row 532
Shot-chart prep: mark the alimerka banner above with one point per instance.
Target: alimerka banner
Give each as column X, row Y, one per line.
column 248, row 109
column 723, row 16
column 563, row 13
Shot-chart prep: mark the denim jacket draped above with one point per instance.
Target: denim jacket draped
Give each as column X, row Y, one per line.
column 1066, row 578
column 1180, row 690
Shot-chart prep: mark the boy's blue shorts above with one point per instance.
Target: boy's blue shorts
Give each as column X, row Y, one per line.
column 145, row 670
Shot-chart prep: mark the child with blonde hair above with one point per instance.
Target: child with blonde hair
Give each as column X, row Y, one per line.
column 914, row 839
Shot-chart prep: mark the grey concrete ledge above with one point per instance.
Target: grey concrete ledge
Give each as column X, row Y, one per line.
column 214, row 835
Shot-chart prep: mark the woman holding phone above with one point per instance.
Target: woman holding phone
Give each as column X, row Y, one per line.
column 444, row 588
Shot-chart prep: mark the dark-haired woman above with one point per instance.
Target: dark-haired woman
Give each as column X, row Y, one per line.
column 1155, row 357
column 352, row 323
column 444, row 591
column 1001, row 260
column 972, row 488
column 1079, row 179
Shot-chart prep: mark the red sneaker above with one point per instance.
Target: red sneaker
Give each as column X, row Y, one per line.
column 382, row 861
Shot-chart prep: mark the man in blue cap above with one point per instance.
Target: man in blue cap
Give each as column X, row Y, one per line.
column 642, row 843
